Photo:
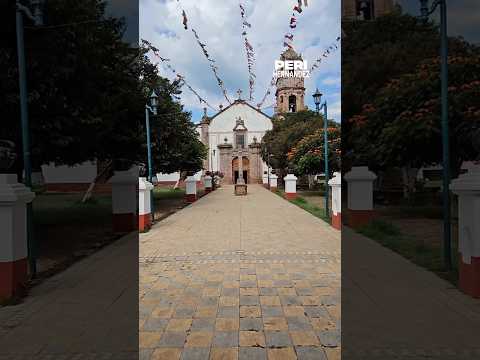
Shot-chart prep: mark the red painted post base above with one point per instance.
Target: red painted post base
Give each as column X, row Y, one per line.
column 290, row 196
column 358, row 218
column 207, row 190
column 144, row 222
column 273, row 189
column 337, row 221
column 190, row 198
column 13, row 278
column 124, row 223
column 469, row 277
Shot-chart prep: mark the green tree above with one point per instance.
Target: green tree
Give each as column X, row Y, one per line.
column 307, row 157
column 85, row 98
column 286, row 132
column 87, row 92
column 401, row 126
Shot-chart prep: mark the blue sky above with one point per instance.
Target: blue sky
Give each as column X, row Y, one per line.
column 218, row 24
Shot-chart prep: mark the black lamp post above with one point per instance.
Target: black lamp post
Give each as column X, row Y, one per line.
column 317, row 98
column 425, row 12
column 151, row 107
column 212, row 173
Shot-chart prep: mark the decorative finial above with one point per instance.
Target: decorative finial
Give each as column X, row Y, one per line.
column 239, row 92
column 221, row 107
column 205, row 112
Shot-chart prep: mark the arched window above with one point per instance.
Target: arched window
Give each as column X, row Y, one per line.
column 292, row 103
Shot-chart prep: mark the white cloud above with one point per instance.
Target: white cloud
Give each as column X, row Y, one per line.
column 218, row 24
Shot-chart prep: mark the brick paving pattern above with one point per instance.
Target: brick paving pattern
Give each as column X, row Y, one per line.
column 231, row 277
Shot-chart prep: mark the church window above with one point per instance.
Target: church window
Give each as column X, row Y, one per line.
column 240, row 140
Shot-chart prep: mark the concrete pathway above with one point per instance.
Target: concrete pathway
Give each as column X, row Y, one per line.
column 234, row 277
column 393, row 309
column 88, row 311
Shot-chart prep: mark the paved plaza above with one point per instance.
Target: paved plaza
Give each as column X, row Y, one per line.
column 240, row 277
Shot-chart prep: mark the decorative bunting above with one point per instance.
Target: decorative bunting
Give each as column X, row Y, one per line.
column 249, row 52
column 181, row 78
column 328, row 51
column 185, row 20
column 213, row 67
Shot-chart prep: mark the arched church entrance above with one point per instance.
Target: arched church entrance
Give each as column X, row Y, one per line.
column 292, row 103
column 245, row 169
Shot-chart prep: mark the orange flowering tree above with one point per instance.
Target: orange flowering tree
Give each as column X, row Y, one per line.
column 307, row 156
column 402, row 124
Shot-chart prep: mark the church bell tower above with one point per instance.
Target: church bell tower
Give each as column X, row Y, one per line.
column 290, row 91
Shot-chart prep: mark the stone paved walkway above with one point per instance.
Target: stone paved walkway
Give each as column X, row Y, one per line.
column 251, row 277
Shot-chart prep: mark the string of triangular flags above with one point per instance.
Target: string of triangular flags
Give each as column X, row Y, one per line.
column 287, row 41
column 249, row 51
column 288, row 37
column 272, row 83
column 166, row 63
column 211, row 61
column 212, row 66
column 333, row 47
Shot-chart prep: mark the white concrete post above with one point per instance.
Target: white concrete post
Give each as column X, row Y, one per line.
column 360, row 195
column 13, row 235
column 124, row 200
column 191, row 189
column 273, row 182
column 336, row 184
column 144, row 204
column 467, row 187
column 290, row 186
column 265, row 180
column 207, row 183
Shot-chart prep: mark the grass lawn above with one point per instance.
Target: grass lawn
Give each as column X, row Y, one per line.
column 65, row 229
column 309, row 206
column 425, row 254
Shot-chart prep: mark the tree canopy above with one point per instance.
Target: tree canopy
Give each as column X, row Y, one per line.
column 87, row 90
column 391, row 93
column 294, row 142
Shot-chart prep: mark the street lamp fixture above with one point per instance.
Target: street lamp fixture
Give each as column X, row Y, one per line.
column 425, row 12
column 317, row 98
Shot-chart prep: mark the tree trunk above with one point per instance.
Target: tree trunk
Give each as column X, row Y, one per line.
column 182, row 176
column 310, row 181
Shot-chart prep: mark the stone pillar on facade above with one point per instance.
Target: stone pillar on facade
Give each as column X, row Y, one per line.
column 273, row 182
column 290, row 186
column 207, row 183
column 124, row 200
column 265, row 179
column 191, row 189
column 14, row 198
column 225, row 154
column 336, row 184
column 360, row 196
column 467, row 187
column 144, row 204
column 204, row 137
column 255, row 161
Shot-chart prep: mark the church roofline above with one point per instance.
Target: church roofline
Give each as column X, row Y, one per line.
column 238, row 101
